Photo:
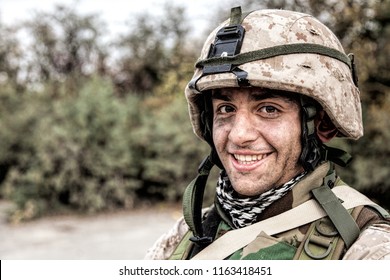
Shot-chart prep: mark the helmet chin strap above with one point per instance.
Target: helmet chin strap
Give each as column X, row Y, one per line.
column 311, row 145
column 207, row 122
column 313, row 150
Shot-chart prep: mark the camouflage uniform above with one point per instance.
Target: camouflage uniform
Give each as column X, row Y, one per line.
column 294, row 53
column 373, row 243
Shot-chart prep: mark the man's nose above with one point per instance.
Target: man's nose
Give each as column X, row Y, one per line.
column 243, row 131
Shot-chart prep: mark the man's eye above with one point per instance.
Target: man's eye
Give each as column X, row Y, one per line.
column 226, row 109
column 269, row 109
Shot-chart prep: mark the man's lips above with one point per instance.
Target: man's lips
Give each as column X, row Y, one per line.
column 248, row 162
column 248, row 159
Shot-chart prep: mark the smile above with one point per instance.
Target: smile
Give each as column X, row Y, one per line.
column 249, row 159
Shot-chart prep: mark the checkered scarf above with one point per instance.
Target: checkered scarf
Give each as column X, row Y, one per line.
column 243, row 211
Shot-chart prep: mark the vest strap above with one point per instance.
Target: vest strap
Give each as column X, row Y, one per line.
column 339, row 216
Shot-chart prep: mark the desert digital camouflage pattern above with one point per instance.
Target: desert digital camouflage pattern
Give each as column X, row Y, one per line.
column 167, row 243
column 373, row 243
column 327, row 80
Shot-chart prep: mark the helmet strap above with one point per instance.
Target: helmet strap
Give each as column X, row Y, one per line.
column 335, row 155
column 313, row 150
column 207, row 119
column 311, row 145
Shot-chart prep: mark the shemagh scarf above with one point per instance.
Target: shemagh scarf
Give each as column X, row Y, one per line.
column 244, row 211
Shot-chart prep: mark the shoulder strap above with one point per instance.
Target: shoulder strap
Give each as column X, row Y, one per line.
column 300, row 215
column 192, row 202
column 339, row 216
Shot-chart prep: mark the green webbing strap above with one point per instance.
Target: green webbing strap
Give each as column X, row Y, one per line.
column 342, row 220
column 235, row 16
column 337, row 156
column 382, row 211
column 275, row 51
column 193, row 198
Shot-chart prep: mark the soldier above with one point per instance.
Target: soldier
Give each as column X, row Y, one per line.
column 271, row 87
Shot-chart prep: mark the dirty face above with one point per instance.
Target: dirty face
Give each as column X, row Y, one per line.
column 257, row 137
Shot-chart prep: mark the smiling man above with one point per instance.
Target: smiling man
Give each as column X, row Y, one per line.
column 271, row 87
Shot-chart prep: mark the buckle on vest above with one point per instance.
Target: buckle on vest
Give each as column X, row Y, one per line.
column 318, row 242
column 321, row 241
column 201, row 241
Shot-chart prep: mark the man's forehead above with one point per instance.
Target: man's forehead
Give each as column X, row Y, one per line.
column 227, row 94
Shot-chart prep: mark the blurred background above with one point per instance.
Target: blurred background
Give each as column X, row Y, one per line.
column 95, row 138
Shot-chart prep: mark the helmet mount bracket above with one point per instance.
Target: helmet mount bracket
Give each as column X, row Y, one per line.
column 227, row 43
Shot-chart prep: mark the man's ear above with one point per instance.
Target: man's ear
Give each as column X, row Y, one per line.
column 325, row 129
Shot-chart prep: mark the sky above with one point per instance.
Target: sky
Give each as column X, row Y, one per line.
column 114, row 12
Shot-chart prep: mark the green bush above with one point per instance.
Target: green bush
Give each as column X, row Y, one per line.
column 92, row 151
column 73, row 152
column 171, row 151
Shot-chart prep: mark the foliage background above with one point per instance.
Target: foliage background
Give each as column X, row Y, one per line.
column 84, row 130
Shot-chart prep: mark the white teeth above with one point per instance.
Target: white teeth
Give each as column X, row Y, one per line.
column 249, row 159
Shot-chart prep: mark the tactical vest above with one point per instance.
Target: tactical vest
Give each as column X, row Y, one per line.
column 320, row 239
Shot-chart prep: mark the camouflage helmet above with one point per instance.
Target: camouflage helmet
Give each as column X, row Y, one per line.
column 279, row 50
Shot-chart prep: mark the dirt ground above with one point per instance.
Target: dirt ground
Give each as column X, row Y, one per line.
column 115, row 236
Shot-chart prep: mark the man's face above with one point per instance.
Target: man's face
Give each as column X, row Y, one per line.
column 257, row 136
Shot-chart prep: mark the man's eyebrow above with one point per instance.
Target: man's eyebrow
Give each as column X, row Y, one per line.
column 220, row 96
column 258, row 96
